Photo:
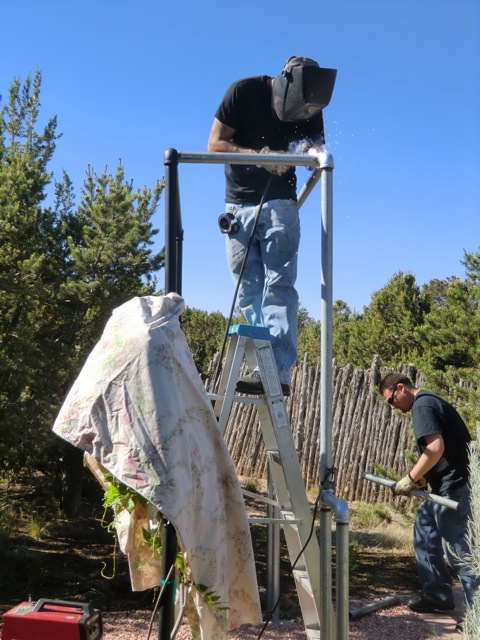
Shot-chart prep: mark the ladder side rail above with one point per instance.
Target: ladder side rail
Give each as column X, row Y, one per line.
column 259, row 354
column 288, row 481
column 228, row 380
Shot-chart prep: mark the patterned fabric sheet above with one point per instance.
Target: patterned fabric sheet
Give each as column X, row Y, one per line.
column 140, row 411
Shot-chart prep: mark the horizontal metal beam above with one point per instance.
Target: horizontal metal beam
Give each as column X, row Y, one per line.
column 265, row 520
column 317, row 162
column 259, row 159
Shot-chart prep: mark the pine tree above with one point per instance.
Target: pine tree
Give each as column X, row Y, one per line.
column 386, row 326
column 450, row 336
column 110, row 253
column 205, row 334
column 309, row 334
column 28, row 272
column 344, row 321
column 62, row 272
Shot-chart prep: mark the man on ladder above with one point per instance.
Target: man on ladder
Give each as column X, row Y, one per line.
column 261, row 222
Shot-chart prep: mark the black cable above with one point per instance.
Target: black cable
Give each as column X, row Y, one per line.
column 270, row 614
column 232, row 309
column 159, row 600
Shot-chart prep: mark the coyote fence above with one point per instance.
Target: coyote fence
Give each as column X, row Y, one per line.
column 365, row 431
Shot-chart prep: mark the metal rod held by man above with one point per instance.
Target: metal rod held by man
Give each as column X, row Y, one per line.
column 418, row 493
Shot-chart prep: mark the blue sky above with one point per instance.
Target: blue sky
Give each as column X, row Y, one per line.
column 127, row 80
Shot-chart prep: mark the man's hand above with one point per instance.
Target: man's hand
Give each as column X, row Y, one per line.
column 276, row 169
column 404, row 486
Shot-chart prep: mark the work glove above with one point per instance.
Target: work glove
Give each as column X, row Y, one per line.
column 404, row 486
column 276, row 169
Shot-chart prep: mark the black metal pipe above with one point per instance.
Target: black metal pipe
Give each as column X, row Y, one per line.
column 166, row 616
column 173, row 283
column 173, row 225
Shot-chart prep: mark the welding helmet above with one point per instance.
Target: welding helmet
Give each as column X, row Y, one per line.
column 302, row 90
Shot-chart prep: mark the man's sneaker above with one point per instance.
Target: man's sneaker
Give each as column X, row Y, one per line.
column 422, row 604
column 251, row 384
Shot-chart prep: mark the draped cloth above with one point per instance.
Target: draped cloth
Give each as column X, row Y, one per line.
column 140, row 410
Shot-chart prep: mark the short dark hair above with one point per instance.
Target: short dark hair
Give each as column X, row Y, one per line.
column 391, row 380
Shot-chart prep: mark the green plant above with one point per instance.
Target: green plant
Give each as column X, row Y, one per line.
column 377, row 527
column 36, row 526
column 251, row 484
column 7, row 523
column 120, row 497
column 354, row 554
column 471, row 623
column 368, row 516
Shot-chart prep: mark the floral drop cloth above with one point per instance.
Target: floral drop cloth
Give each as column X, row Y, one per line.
column 140, row 410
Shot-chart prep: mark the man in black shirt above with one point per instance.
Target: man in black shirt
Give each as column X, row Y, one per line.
column 442, row 441
column 258, row 114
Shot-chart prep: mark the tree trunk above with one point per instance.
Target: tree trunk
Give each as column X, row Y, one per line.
column 72, row 480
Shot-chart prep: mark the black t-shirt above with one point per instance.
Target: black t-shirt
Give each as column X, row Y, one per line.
column 432, row 414
column 247, row 108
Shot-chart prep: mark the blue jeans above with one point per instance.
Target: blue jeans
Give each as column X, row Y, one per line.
column 267, row 294
column 440, row 541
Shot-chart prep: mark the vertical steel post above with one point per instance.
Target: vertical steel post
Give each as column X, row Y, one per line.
column 342, row 518
column 326, row 320
column 327, row 480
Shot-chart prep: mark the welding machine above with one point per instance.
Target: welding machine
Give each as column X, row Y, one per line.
column 52, row 620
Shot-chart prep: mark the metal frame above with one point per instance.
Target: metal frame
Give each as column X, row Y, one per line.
column 322, row 165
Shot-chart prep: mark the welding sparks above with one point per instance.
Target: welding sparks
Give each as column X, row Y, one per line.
column 300, row 146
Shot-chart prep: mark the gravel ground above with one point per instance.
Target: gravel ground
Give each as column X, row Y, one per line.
column 385, row 624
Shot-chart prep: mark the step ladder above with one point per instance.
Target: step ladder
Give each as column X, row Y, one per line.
column 254, row 343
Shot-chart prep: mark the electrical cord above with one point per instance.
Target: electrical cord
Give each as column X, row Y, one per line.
column 158, row 601
column 183, row 605
column 292, row 568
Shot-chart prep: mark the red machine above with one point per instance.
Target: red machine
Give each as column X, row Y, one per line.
column 52, row 620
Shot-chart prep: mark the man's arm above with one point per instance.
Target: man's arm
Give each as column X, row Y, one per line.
column 430, row 456
column 432, row 453
column 221, row 139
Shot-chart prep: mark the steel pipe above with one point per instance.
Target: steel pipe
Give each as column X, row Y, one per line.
column 308, row 187
column 173, row 225
column 374, row 606
column 326, row 480
column 342, row 518
column 418, row 493
column 317, row 162
column 259, row 159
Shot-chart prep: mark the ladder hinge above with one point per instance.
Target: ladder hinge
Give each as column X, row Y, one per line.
column 275, row 456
